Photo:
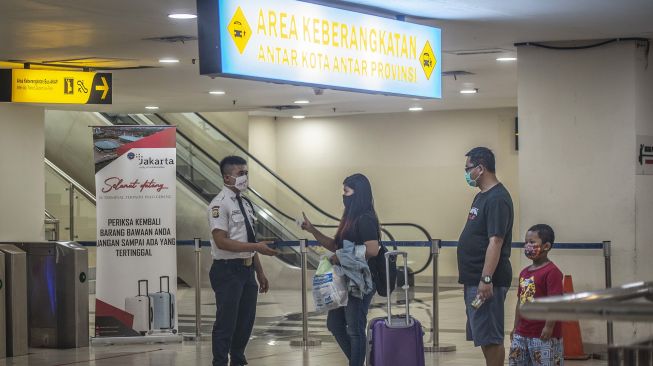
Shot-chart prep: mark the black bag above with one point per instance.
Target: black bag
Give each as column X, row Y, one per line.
column 379, row 272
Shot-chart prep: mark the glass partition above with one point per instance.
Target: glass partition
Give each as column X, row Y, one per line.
column 71, row 206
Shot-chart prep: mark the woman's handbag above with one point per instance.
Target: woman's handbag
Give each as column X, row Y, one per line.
column 379, row 271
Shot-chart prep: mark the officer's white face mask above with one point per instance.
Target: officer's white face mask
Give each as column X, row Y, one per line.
column 241, row 184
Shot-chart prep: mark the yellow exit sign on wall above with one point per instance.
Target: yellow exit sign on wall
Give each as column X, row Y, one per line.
column 57, row 87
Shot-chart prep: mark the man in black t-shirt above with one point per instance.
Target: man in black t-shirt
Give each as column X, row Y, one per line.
column 484, row 256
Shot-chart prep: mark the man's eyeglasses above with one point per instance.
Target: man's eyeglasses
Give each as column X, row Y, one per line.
column 468, row 168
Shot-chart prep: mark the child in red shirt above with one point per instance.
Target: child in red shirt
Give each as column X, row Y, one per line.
column 537, row 342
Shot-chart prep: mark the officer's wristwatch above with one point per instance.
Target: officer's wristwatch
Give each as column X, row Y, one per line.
column 487, row 279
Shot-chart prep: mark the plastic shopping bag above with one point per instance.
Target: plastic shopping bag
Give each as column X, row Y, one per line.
column 329, row 289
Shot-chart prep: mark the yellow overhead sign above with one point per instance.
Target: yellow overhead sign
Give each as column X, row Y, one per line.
column 303, row 43
column 57, row 87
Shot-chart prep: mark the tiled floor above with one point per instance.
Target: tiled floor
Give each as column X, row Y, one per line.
column 279, row 321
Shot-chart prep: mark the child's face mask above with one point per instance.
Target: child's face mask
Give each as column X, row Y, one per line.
column 532, row 250
column 533, row 245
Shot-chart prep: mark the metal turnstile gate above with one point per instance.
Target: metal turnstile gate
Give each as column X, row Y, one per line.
column 58, row 294
column 14, row 287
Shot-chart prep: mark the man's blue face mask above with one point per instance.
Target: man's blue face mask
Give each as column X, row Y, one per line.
column 468, row 176
column 470, row 181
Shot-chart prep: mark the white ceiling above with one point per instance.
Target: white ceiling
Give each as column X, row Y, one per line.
column 40, row 30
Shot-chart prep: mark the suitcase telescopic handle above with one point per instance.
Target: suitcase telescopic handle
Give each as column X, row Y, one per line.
column 147, row 290
column 161, row 283
column 172, row 313
column 396, row 253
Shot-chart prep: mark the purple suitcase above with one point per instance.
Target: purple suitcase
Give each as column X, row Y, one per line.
column 395, row 340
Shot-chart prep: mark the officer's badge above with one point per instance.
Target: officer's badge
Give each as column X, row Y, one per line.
column 215, row 212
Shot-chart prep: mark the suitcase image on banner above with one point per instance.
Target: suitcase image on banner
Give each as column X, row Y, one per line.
column 141, row 308
column 163, row 307
column 395, row 340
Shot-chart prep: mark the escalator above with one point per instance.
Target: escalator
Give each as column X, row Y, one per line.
column 200, row 146
column 200, row 172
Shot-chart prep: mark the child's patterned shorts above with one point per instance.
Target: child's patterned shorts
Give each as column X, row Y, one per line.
column 534, row 351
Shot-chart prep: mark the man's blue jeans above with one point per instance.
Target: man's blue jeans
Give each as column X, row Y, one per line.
column 348, row 325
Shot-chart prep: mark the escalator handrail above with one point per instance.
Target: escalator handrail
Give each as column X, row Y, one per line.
column 267, row 169
column 418, row 227
column 193, row 187
column 214, row 161
column 259, row 196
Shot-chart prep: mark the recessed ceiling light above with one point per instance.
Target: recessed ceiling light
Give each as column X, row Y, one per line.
column 298, row 117
column 505, row 59
column 152, row 107
column 415, row 109
column 469, row 91
column 217, row 92
column 168, row 61
column 182, row 16
column 302, row 102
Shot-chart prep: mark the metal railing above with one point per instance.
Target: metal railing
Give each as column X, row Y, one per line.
column 631, row 302
column 76, row 186
column 303, row 244
column 51, row 234
column 73, row 189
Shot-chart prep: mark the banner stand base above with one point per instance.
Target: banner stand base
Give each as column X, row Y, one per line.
column 109, row 341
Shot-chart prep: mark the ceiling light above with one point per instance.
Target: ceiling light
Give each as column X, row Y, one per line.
column 302, row 102
column 217, row 92
column 182, row 16
column 152, row 107
column 298, row 117
column 168, row 61
column 415, row 109
column 469, row 91
column 505, row 59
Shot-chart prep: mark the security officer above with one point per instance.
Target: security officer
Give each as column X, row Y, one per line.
column 235, row 259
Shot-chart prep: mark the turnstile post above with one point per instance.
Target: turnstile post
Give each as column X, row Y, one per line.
column 15, row 289
column 3, row 325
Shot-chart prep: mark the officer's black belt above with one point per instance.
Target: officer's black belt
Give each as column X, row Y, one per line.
column 247, row 262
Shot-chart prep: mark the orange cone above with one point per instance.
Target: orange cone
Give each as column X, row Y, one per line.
column 571, row 337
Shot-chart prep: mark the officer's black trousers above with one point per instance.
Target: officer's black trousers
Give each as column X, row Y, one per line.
column 236, row 291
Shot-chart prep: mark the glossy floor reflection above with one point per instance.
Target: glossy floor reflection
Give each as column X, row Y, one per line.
column 279, row 321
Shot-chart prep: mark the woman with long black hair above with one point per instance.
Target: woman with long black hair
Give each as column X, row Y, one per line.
column 359, row 225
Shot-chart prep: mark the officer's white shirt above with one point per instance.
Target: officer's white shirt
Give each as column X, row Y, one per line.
column 225, row 214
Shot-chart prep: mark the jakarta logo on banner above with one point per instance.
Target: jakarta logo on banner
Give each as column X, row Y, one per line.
column 135, row 180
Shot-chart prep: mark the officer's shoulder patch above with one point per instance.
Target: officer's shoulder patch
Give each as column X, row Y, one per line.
column 215, row 212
